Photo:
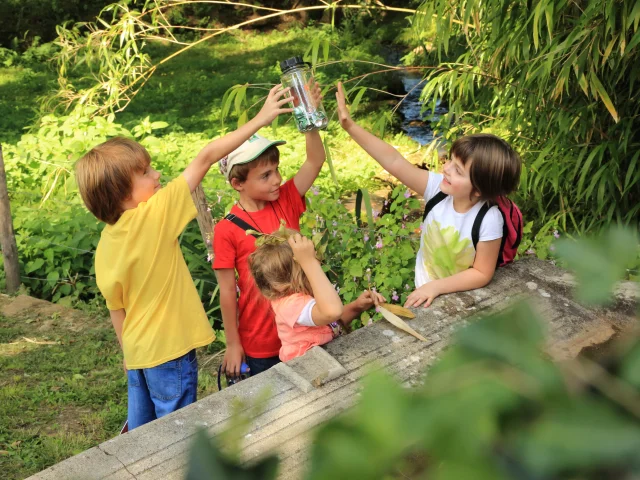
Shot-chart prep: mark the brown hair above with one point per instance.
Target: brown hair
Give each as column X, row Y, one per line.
column 274, row 269
column 495, row 167
column 104, row 176
column 241, row 172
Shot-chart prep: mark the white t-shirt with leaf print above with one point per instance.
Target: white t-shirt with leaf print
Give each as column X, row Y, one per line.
column 446, row 247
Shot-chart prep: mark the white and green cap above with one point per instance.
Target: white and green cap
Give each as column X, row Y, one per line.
column 247, row 152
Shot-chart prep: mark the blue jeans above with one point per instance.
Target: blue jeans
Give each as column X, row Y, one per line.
column 157, row 391
column 259, row 365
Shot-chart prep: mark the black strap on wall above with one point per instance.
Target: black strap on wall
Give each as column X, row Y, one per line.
column 240, row 223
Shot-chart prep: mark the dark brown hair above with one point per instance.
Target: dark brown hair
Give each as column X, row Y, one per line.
column 495, row 168
column 241, row 172
column 105, row 176
column 274, row 269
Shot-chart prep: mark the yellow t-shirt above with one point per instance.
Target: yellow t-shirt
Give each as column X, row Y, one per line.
column 139, row 267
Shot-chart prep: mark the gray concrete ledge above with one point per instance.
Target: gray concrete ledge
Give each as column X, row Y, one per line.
column 324, row 382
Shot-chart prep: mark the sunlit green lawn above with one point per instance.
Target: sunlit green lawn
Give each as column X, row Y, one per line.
column 62, row 389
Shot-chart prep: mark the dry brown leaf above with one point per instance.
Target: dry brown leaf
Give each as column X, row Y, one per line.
column 398, row 310
column 398, row 322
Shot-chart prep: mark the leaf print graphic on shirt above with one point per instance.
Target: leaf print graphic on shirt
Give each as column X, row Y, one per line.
column 445, row 253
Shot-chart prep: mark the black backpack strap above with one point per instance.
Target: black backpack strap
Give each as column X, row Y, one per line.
column 505, row 232
column 433, row 201
column 239, row 222
column 475, row 230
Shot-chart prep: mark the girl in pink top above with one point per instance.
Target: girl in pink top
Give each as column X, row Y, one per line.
column 307, row 307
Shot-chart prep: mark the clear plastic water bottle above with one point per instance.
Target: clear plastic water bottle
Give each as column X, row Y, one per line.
column 297, row 75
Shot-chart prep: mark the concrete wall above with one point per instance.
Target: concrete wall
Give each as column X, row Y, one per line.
column 324, row 382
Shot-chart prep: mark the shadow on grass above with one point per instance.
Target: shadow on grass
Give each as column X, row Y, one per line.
column 20, row 90
column 188, row 89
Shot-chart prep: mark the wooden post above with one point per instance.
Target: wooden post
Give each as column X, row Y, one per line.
column 7, row 236
column 205, row 220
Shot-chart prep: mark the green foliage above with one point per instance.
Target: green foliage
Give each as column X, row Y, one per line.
column 208, row 462
column 557, row 79
column 600, row 262
column 25, row 21
column 24, row 77
column 379, row 254
column 114, row 50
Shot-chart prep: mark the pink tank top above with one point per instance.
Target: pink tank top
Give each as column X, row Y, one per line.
column 297, row 339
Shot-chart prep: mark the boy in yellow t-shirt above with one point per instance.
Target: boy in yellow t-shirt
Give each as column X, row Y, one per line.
column 153, row 303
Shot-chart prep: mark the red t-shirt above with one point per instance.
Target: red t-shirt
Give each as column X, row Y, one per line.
column 232, row 247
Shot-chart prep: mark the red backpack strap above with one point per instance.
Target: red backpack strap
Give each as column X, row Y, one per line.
column 433, row 201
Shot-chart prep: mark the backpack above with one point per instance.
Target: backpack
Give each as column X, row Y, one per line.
column 511, row 230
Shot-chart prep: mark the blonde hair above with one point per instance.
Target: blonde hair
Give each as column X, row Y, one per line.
column 105, row 176
column 274, row 269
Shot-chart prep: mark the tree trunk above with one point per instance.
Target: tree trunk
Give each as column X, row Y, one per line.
column 7, row 236
column 205, row 220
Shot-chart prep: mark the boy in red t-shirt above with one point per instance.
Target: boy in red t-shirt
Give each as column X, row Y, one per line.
column 252, row 170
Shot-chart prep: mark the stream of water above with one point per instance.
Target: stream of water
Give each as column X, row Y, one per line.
column 416, row 123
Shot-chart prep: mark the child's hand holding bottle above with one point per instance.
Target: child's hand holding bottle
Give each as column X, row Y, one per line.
column 273, row 105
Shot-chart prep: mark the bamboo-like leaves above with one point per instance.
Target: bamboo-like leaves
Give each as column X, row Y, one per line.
column 598, row 89
column 236, row 96
column 327, row 151
column 357, row 98
column 581, row 167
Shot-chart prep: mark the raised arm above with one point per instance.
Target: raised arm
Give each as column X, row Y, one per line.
column 221, row 147
column 328, row 307
column 315, row 154
column 312, row 165
column 388, row 157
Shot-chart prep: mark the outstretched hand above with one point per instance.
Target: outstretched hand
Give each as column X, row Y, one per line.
column 343, row 111
column 425, row 294
column 273, row 105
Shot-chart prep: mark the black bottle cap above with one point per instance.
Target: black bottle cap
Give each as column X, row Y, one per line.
column 291, row 63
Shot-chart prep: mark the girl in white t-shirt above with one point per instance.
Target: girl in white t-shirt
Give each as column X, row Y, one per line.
column 480, row 169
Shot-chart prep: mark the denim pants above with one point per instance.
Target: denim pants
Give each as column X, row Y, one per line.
column 259, row 365
column 157, row 391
